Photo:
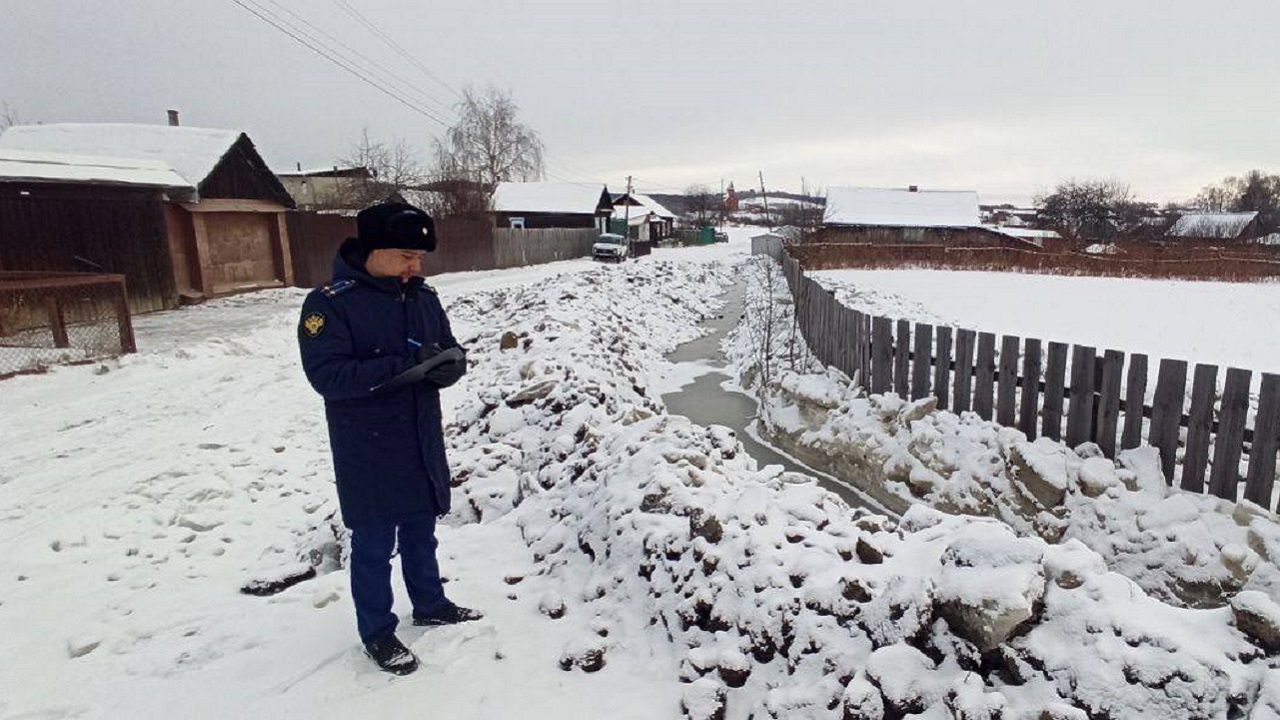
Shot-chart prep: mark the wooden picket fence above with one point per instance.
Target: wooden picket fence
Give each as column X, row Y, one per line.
column 1034, row 385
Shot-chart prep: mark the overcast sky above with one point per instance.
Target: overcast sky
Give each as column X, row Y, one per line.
column 1003, row 96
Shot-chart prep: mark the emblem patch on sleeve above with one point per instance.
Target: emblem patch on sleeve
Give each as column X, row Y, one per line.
column 313, row 324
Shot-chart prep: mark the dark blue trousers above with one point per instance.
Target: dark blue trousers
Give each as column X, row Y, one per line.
column 371, row 550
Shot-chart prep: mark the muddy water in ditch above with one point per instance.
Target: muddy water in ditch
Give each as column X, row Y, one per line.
column 706, row 402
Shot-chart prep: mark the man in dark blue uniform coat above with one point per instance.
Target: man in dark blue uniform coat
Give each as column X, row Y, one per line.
column 377, row 319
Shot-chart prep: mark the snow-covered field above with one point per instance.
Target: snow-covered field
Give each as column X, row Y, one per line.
column 1210, row 322
column 631, row 564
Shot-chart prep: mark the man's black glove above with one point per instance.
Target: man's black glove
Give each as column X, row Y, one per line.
column 446, row 373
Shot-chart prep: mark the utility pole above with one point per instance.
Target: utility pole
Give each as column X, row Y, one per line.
column 626, row 214
column 767, row 220
column 721, row 224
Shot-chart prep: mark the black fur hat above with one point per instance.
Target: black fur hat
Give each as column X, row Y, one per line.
column 395, row 225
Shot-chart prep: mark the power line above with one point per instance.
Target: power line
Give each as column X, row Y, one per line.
column 423, row 94
column 370, row 75
column 311, row 44
column 350, row 10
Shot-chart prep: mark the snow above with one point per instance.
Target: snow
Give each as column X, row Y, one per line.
column 630, row 563
column 902, row 208
column 547, row 197
column 1195, row 321
column 1211, row 225
column 646, row 205
column 192, row 152
column 61, row 167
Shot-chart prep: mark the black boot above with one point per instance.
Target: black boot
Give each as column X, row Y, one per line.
column 448, row 615
column 391, row 655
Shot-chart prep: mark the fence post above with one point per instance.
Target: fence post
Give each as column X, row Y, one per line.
column 1080, row 411
column 1108, row 410
column 881, row 355
column 1199, row 425
column 1166, row 412
column 1055, row 385
column 920, row 361
column 1266, row 439
column 1008, row 384
column 124, row 320
column 962, row 397
column 984, row 383
column 1030, row 389
column 902, row 360
column 1224, row 480
column 57, row 324
column 942, row 367
column 1134, row 401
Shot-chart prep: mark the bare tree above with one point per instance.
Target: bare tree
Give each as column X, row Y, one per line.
column 764, row 318
column 703, row 204
column 489, row 144
column 8, row 117
column 1254, row 191
column 805, row 212
column 1091, row 209
column 391, row 166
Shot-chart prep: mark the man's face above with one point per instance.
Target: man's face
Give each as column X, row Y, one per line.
column 403, row 264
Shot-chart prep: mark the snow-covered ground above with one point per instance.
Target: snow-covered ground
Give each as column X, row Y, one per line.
column 631, row 564
column 1208, row 322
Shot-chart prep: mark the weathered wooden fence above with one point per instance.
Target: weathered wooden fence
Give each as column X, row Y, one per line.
column 464, row 245
column 1035, row 386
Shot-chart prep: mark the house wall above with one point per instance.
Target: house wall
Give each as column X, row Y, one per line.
column 875, row 234
column 537, row 221
column 241, row 251
column 182, row 252
column 94, row 228
column 242, row 175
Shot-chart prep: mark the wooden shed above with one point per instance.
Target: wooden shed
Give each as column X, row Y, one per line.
column 90, row 214
column 227, row 236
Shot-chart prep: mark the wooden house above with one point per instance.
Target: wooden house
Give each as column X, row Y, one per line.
column 649, row 221
column 227, row 234
column 538, row 205
column 909, row 216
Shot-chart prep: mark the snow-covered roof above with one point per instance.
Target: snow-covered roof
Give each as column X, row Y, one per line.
column 902, row 208
column 651, row 204
column 36, row 166
column 334, row 170
column 193, row 152
column 547, row 197
column 1211, row 225
column 643, row 209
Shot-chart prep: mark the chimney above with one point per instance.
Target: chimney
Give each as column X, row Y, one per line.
column 173, row 118
column 913, row 188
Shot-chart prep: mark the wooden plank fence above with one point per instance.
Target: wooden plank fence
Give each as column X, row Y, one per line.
column 1035, row 386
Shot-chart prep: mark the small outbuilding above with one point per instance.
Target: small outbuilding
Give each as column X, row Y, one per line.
column 225, row 231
